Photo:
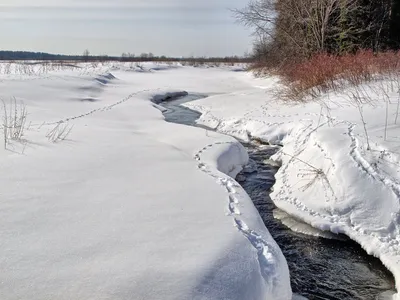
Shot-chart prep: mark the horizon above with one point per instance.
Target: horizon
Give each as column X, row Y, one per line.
column 174, row 28
column 137, row 55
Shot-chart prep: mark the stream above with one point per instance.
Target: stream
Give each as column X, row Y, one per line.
column 322, row 265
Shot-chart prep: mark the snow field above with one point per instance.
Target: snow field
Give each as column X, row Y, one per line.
column 127, row 206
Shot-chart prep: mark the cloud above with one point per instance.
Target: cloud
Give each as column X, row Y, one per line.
column 118, row 10
column 122, row 3
column 171, row 27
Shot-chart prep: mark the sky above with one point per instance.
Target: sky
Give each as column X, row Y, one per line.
column 163, row 27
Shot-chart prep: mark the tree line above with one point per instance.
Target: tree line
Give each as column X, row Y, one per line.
column 288, row 30
column 125, row 57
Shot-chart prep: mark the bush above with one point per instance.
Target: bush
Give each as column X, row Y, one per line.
column 14, row 121
column 325, row 72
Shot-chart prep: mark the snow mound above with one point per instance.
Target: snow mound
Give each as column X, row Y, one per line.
column 95, row 86
column 105, row 78
column 230, row 158
column 150, row 67
column 163, row 67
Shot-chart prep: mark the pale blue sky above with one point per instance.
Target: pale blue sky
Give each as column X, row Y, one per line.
column 164, row 27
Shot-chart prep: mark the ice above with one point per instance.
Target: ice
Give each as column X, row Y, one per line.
column 304, row 228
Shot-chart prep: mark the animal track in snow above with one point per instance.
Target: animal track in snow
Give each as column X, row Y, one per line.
column 197, row 156
column 101, row 109
column 265, row 257
column 372, row 171
column 233, row 199
column 233, row 209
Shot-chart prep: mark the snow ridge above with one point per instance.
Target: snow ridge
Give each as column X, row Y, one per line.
column 267, row 263
column 265, row 257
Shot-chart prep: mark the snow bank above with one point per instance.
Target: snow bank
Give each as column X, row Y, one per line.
column 127, row 206
column 304, row 228
column 329, row 178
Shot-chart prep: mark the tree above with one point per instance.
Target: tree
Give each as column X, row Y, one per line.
column 394, row 34
column 297, row 29
column 86, row 55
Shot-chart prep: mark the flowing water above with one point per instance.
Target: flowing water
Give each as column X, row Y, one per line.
column 328, row 267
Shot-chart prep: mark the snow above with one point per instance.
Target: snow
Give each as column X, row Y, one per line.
column 127, row 206
column 329, row 178
column 304, row 228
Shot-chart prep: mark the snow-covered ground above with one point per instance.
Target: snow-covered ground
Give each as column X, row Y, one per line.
column 329, row 177
column 102, row 199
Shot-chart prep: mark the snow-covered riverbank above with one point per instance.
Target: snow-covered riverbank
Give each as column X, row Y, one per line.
column 329, row 178
column 127, row 206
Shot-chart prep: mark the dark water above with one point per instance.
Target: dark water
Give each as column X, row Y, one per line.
column 320, row 268
column 179, row 114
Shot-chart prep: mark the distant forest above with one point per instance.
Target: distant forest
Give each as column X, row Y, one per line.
column 25, row 55
column 40, row 56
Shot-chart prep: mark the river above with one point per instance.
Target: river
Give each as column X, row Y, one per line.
column 322, row 265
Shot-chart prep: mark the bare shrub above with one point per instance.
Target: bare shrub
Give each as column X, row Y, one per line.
column 139, row 66
column 360, row 98
column 324, row 72
column 312, row 174
column 59, row 133
column 14, row 121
